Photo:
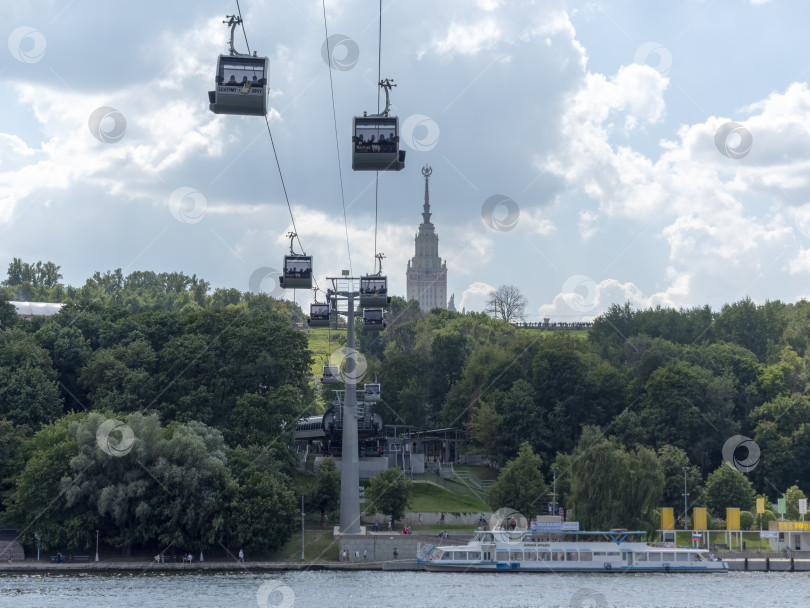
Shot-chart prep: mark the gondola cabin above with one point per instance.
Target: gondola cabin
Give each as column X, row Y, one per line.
column 240, row 86
column 373, row 319
column 297, row 272
column 373, row 291
column 372, row 392
column 375, row 144
column 318, row 315
column 331, row 374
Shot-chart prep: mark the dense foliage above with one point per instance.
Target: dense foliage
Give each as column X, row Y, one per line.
column 202, row 392
column 623, row 414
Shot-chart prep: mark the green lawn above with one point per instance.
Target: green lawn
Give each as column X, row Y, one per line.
column 319, row 546
column 752, row 540
column 320, row 346
column 427, row 497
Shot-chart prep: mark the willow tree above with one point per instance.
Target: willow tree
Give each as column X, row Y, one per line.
column 612, row 486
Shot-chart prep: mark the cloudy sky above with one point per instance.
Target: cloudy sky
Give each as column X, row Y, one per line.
column 589, row 152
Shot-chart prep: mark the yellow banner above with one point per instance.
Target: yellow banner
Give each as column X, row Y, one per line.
column 667, row 519
column 793, row 526
column 732, row 519
column 699, row 517
column 760, row 506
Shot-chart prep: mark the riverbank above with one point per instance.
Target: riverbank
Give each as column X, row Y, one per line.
column 751, row 564
column 139, row 567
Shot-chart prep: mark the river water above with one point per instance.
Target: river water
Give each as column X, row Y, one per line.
column 325, row 589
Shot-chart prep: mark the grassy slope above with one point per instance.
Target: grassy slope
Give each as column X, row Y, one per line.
column 320, row 346
column 427, row 497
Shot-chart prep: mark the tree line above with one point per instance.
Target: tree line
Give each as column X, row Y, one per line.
column 162, row 426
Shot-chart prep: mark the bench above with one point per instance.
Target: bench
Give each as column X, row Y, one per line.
column 79, row 558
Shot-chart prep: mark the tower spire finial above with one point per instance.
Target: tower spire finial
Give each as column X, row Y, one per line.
column 426, row 171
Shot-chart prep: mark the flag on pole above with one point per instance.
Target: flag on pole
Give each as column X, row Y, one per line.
column 696, row 536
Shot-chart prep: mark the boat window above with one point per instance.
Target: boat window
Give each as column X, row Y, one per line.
column 447, row 556
column 668, row 557
column 627, row 555
column 655, row 556
column 641, row 557
column 613, row 553
column 543, row 556
column 502, row 556
column 557, row 556
column 585, row 556
column 530, row 556
column 683, row 557
column 599, row 553
column 515, row 556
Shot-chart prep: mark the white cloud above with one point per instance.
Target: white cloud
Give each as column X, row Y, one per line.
column 474, row 297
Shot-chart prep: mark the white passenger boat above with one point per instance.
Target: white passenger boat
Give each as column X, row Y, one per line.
column 564, row 551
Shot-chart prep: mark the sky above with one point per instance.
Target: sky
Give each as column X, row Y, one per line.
column 646, row 151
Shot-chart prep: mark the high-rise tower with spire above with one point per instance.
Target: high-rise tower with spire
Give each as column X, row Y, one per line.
column 427, row 274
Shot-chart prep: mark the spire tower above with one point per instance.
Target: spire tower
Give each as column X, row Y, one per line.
column 427, row 273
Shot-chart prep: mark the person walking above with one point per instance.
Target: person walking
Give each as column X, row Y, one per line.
column 241, row 556
column 396, row 553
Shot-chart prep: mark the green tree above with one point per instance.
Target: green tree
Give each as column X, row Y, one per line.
column 8, row 314
column 673, row 462
column 727, row 487
column 792, row 496
column 389, row 492
column 520, row 484
column 325, row 496
column 262, row 514
column 612, row 487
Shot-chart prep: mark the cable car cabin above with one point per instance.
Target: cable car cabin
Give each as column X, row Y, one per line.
column 318, row 315
column 297, row 272
column 240, row 86
column 375, row 144
column 373, row 291
column 372, row 392
column 373, row 319
column 331, row 374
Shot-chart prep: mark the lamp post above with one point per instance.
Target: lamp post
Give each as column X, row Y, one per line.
column 96, row 546
column 302, row 527
column 554, row 493
column 685, row 505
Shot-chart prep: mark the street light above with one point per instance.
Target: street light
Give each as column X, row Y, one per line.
column 96, row 545
column 685, row 494
column 554, row 495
